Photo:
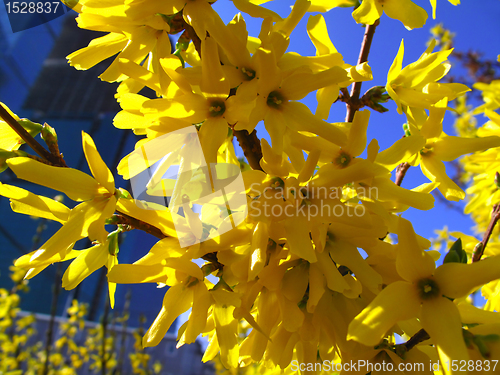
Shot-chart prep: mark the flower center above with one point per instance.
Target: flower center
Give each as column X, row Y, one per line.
column 277, row 183
column 217, row 108
column 426, row 150
column 428, row 289
column 248, row 74
column 275, row 99
column 343, row 159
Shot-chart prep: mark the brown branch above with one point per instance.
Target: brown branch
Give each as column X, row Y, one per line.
column 401, row 172
column 495, row 216
column 250, row 144
column 416, row 339
column 124, row 219
column 354, row 102
column 191, row 34
column 26, row 137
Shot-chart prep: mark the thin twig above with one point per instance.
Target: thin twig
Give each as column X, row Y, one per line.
column 124, row 219
column 416, row 339
column 495, row 216
column 354, row 103
column 250, row 144
column 26, row 137
column 401, row 172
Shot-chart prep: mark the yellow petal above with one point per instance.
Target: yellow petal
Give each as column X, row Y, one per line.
column 326, row 5
column 317, row 285
column 359, row 73
column 268, row 73
column 286, row 26
column 368, row 12
column 407, row 12
column 470, row 314
column 329, row 175
column 435, row 170
column 346, row 254
column 295, row 282
column 459, row 280
column 25, row 202
column 318, row 33
column 433, row 126
column 441, row 320
column 97, row 166
column 88, row 261
column 389, row 191
column 412, row 262
column 298, row 85
column 135, row 273
column 302, row 119
column 334, row 279
column 299, row 240
column 400, row 151
column 202, row 301
column 139, row 73
column 398, row 301
column 212, row 135
column 326, row 96
column 74, row 183
column 255, row 11
column 160, row 219
column 99, row 49
column 141, row 41
column 227, row 327
column 356, row 142
column 81, row 217
column 104, row 209
column 260, row 239
column 112, row 261
column 450, row 148
column 24, row 261
column 213, row 82
column 177, row 300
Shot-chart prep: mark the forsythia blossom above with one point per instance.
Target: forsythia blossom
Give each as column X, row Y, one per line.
column 322, row 266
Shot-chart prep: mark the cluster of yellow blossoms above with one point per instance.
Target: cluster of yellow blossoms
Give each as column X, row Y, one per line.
column 307, row 261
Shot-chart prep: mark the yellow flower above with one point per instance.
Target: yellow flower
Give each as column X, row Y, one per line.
column 491, row 96
column 89, row 260
column 277, row 105
column 133, row 33
column 425, row 293
column 416, row 85
column 138, row 28
column 406, row 11
column 428, row 146
column 214, row 107
column 87, row 218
